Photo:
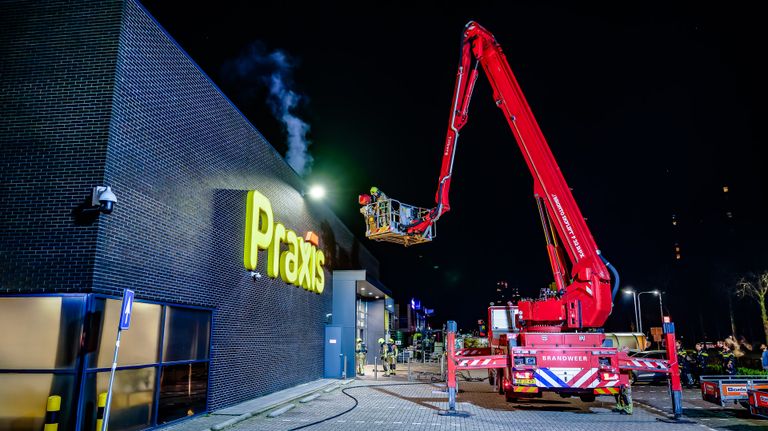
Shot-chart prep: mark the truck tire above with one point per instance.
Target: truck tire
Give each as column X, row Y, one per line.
column 511, row 397
column 500, row 381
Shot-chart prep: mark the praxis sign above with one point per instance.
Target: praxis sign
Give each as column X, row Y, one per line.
column 294, row 259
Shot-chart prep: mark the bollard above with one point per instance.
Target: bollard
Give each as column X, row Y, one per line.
column 375, row 368
column 344, row 373
column 52, row 408
column 410, row 379
column 100, row 404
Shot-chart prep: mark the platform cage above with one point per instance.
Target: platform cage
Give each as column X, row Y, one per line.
column 388, row 219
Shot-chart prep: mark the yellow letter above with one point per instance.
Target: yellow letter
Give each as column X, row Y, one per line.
column 305, row 250
column 273, row 258
column 312, row 268
column 288, row 258
column 320, row 280
column 258, row 227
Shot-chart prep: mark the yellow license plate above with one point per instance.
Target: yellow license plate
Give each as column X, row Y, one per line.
column 525, row 381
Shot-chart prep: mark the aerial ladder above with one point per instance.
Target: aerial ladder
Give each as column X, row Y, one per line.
column 555, row 342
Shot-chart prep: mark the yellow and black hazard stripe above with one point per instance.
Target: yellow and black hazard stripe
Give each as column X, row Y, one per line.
column 52, row 409
column 525, row 389
column 100, row 404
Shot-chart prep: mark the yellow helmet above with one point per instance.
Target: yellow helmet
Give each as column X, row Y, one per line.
column 374, row 190
column 381, row 341
column 391, row 340
column 359, row 340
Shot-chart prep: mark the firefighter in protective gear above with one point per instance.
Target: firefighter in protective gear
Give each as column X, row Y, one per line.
column 383, row 354
column 360, row 352
column 684, row 364
column 729, row 360
column 624, row 401
column 392, row 355
column 702, row 358
column 381, row 208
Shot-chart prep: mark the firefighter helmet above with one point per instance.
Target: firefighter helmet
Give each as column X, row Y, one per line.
column 374, row 190
column 359, row 340
column 381, row 341
column 391, row 341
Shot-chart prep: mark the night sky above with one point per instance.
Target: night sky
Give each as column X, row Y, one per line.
column 648, row 108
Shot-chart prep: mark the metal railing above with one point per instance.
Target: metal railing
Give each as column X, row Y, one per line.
column 388, row 220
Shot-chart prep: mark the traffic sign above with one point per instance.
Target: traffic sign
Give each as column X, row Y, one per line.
column 125, row 314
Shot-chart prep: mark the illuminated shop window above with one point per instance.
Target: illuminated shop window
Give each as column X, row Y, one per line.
column 138, row 345
column 40, row 336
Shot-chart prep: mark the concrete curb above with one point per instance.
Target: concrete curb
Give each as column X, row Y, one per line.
column 281, row 410
column 310, row 398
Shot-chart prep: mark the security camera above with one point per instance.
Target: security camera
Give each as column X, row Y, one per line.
column 103, row 200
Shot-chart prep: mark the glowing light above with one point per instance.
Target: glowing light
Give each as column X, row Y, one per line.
column 316, row 192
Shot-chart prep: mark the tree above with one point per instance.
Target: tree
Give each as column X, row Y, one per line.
column 756, row 287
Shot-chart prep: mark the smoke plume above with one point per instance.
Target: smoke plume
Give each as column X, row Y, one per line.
column 274, row 71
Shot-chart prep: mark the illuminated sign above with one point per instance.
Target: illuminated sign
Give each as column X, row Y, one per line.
column 299, row 263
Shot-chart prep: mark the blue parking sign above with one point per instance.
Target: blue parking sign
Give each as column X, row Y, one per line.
column 125, row 314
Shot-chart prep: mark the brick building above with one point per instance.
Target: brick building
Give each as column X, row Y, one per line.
column 95, row 94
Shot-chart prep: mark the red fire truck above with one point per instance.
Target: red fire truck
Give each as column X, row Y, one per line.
column 554, row 342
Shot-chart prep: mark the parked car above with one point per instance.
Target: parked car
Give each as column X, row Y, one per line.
column 645, row 376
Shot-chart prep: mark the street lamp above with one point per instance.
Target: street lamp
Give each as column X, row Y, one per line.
column 630, row 291
column 655, row 292
column 661, row 307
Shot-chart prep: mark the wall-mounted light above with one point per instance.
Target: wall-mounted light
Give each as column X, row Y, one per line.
column 102, row 200
column 315, row 192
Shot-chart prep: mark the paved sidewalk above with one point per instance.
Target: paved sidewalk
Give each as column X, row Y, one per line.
column 224, row 418
column 398, row 406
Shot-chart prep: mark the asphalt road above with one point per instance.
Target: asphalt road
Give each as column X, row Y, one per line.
column 732, row 417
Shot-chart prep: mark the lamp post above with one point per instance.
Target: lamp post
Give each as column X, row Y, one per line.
column 655, row 292
column 629, row 291
column 661, row 307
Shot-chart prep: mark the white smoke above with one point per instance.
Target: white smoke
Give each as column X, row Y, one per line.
column 275, row 71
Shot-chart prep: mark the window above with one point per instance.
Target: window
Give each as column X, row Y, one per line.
column 138, row 345
column 187, row 333
column 183, row 391
column 40, row 336
column 162, row 372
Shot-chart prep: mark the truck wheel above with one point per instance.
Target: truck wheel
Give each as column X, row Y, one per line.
column 587, row 398
column 510, row 397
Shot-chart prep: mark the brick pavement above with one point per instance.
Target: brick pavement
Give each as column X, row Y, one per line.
column 383, row 406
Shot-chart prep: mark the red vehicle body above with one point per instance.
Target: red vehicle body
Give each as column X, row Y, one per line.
column 553, row 343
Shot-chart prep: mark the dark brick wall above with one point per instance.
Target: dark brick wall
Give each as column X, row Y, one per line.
column 97, row 93
column 57, row 62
